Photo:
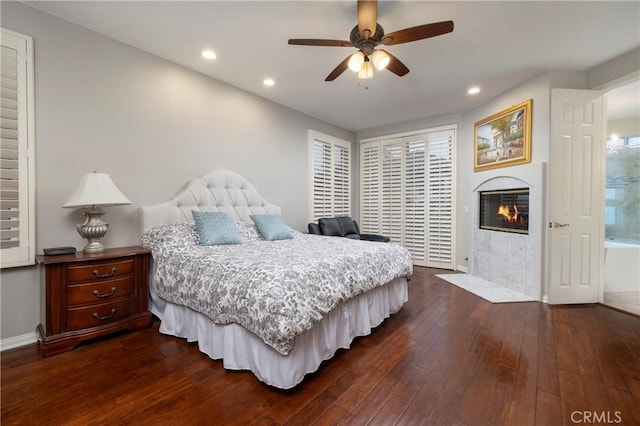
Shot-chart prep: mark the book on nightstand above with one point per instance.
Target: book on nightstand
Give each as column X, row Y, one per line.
column 57, row 251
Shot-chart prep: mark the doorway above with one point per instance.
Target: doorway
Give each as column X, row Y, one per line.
column 622, row 199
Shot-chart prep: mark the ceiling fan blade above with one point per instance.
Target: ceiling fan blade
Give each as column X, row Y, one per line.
column 367, row 16
column 417, row 33
column 342, row 67
column 320, row 42
column 396, row 66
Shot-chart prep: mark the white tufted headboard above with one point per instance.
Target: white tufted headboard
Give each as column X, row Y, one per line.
column 220, row 190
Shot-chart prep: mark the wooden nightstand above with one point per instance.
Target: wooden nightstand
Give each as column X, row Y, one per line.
column 91, row 295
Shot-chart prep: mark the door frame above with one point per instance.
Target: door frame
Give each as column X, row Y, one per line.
column 605, row 88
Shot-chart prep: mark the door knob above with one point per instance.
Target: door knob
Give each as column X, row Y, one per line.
column 558, row 225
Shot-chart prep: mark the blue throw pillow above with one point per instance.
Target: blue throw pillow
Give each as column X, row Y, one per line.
column 271, row 227
column 215, row 228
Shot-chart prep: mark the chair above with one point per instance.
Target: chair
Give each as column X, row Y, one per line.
column 343, row 226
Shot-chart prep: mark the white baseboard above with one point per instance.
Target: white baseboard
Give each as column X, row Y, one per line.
column 463, row 269
column 18, row 341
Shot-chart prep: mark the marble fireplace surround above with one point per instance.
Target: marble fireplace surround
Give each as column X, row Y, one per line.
column 511, row 260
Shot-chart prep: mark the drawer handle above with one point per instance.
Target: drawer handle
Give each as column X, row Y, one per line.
column 107, row 275
column 106, row 317
column 111, row 293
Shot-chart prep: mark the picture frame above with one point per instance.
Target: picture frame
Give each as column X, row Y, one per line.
column 503, row 139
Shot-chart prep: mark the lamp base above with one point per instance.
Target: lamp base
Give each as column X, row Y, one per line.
column 93, row 229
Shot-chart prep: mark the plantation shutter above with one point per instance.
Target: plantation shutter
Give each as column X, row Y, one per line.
column 440, row 188
column 406, row 190
column 9, row 162
column 16, row 147
column 415, row 198
column 330, row 164
column 321, row 197
column 392, row 190
column 341, row 180
column 370, row 188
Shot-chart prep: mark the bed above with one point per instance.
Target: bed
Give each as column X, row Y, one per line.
column 276, row 308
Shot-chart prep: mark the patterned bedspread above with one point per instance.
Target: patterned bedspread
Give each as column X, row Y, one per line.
column 275, row 289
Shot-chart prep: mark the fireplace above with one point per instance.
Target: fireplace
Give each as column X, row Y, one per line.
column 505, row 211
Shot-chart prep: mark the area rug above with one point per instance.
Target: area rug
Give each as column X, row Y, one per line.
column 486, row 289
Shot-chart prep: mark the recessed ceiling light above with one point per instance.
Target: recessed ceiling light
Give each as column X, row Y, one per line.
column 268, row 82
column 209, row 54
column 473, row 90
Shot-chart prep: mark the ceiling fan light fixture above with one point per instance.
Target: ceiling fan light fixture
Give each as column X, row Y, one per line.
column 366, row 71
column 356, row 62
column 380, row 59
column 367, row 35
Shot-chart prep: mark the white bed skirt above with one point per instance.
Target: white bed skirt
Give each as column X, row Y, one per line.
column 242, row 350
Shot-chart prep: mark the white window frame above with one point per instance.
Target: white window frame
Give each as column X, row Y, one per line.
column 332, row 142
column 23, row 254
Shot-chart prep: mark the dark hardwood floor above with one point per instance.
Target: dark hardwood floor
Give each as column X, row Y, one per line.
column 448, row 357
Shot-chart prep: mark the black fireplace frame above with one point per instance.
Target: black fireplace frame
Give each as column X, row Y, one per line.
column 486, row 224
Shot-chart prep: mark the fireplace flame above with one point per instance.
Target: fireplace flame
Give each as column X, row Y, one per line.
column 505, row 211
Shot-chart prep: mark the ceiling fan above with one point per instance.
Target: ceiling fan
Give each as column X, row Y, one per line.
column 367, row 35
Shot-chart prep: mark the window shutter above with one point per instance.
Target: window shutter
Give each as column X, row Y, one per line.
column 9, row 169
column 415, row 198
column 17, row 196
column 341, row 181
column 370, row 188
column 440, row 213
column 392, row 190
column 330, row 164
column 406, row 190
column 321, row 179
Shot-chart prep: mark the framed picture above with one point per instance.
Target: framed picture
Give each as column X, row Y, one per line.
column 503, row 139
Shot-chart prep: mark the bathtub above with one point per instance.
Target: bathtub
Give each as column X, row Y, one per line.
column 621, row 267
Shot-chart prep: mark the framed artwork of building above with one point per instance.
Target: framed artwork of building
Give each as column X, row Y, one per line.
column 503, row 139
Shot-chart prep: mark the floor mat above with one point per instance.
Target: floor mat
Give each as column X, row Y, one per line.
column 486, row 289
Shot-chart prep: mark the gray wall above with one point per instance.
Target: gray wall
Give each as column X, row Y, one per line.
column 617, row 70
column 152, row 125
column 624, row 127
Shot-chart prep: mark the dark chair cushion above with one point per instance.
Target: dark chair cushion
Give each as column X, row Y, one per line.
column 352, row 236
column 330, row 226
column 347, row 225
column 343, row 226
column 314, row 228
column 377, row 238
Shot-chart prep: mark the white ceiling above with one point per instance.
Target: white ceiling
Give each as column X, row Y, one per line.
column 495, row 45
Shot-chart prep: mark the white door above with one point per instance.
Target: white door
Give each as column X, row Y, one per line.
column 576, row 194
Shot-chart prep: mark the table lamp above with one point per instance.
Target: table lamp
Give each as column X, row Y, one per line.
column 95, row 190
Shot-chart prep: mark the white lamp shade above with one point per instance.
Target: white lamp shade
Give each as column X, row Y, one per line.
column 96, row 189
column 356, row 61
column 380, row 59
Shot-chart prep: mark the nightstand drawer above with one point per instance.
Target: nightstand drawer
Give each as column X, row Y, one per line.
column 100, row 271
column 97, row 315
column 97, row 292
